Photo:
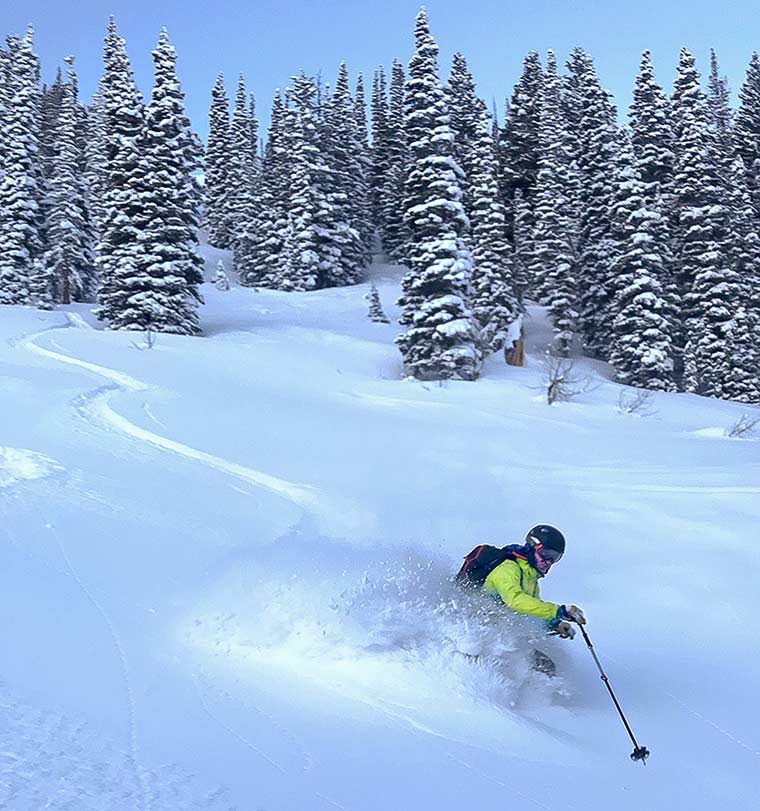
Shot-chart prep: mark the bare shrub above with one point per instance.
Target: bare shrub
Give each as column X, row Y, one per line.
column 562, row 382
column 743, row 427
column 638, row 401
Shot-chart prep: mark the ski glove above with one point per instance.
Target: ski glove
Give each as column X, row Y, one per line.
column 571, row 613
column 564, row 630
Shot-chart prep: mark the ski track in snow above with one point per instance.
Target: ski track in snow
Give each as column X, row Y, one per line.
column 123, row 662
column 302, row 495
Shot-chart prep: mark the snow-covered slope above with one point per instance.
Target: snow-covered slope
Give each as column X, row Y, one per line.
column 225, row 563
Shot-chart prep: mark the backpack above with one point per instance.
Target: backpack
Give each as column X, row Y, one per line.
column 483, row 560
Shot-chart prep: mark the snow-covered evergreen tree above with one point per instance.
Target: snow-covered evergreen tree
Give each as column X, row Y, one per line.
column 746, row 129
column 652, row 134
column 120, row 248
column 264, row 264
column 20, row 192
column 362, row 210
column 376, row 312
column 494, row 302
column 596, row 142
column 442, row 339
column 69, row 258
column 241, row 171
column 465, row 109
column 41, row 286
column 743, row 379
column 218, row 157
column 221, row 280
column 522, row 241
column 711, row 287
column 518, row 148
column 96, row 163
column 552, row 253
column 164, row 294
column 380, row 142
column 642, row 351
column 394, row 232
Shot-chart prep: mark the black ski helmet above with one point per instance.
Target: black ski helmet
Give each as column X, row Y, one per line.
column 549, row 537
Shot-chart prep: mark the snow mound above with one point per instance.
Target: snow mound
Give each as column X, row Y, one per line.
column 21, row 465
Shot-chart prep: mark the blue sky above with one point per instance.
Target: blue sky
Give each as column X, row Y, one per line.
column 270, row 40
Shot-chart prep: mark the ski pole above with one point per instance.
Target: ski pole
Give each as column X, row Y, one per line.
column 639, row 752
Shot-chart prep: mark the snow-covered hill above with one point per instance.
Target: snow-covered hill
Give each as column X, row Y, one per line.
column 225, row 563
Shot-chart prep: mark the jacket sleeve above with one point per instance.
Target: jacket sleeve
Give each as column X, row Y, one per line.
column 505, row 581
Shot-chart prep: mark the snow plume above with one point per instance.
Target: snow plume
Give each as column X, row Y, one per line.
column 376, row 626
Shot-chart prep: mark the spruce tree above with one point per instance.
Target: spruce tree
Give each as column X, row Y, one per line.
column 124, row 221
column 642, row 350
column 380, row 144
column 164, row 293
column 711, row 287
column 362, row 211
column 743, row 380
column 652, row 134
column 552, row 254
column 265, row 265
column 494, row 302
column 747, row 129
column 216, row 197
column 96, row 163
column 20, row 192
column 522, row 239
column 70, row 257
column 241, row 170
column 465, row 109
column 719, row 118
column 376, row 313
column 518, row 148
column 596, row 142
column 394, row 232
column 442, row 339
column 221, row 281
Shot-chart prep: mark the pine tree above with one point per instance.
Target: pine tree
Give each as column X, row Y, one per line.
column 362, row 212
column 743, row 379
column 216, row 202
column 394, row 232
column 163, row 293
column 241, row 171
column 494, row 302
column 518, row 148
column 124, row 220
column 642, row 350
column 344, row 154
column 522, row 238
column 552, row 252
column 41, row 286
column 465, row 109
column 380, row 145
column 747, row 128
column 20, row 192
column 442, row 340
column 652, row 134
column 712, row 290
column 719, row 118
column 264, row 267
column 597, row 136
column 221, row 281
column 376, row 313
column 70, row 257
column 96, row 163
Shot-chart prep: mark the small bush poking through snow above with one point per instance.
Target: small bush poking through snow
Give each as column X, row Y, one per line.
column 638, row 401
column 561, row 381
column 744, row 427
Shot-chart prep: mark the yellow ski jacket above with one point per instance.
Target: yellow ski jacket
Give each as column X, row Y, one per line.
column 516, row 583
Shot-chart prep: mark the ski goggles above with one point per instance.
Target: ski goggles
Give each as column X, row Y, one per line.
column 549, row 555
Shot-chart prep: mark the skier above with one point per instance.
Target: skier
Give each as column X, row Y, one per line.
column 511, row 574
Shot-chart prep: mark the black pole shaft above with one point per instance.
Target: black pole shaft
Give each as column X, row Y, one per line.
column 609, row 687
